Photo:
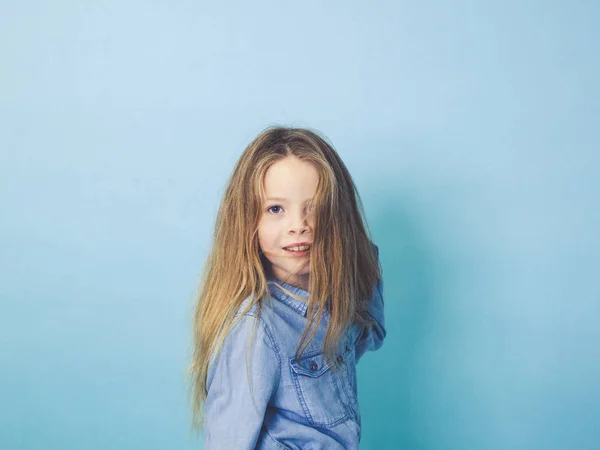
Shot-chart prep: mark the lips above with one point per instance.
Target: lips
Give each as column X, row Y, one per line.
column 299, row 244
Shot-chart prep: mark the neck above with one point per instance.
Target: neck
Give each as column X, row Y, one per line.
column 302, row 281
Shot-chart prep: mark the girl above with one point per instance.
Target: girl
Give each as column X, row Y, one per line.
column 291, row 298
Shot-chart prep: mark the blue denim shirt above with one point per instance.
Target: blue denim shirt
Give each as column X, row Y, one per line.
column 294, row 404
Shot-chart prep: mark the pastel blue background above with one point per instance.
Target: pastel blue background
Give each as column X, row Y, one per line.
column 472, row 132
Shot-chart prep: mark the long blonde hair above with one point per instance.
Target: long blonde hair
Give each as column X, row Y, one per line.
column 343, row 265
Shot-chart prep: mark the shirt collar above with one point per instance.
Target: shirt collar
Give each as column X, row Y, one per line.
column 297, row 305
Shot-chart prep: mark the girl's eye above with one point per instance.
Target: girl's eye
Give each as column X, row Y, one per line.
column 271, row 208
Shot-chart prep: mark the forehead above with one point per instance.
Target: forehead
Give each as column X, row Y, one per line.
column 291, row 178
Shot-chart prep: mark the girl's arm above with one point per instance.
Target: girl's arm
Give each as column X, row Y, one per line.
column 371, row 338
column 232, row 419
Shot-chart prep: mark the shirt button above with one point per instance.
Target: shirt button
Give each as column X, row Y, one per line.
column 313, row 367
column 340, row 358
column 347, row 348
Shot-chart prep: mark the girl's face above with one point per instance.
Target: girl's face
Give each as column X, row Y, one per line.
column 286, row 219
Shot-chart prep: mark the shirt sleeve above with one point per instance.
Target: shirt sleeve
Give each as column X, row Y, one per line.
column 371, row 338
column 233, row 416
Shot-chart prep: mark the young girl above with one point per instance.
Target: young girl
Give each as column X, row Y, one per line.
column 291, row 298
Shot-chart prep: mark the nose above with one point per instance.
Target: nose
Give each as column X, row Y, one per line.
column 298, row 223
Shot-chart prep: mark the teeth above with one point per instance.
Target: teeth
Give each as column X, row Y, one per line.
column 298, row 248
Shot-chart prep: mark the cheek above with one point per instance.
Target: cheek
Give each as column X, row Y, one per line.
column 265, row 234
column 267, row 228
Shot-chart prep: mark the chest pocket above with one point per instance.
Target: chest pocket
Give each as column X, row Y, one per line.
column 327, row 396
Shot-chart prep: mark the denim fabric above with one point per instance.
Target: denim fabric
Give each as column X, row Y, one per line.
column 295, row 404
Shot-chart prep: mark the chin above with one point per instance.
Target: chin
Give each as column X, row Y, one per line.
column 291, row 273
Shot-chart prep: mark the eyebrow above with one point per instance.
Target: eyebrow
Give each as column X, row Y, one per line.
column 281, row 199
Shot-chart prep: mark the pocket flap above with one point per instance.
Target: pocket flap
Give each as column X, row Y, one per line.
column 311, row 364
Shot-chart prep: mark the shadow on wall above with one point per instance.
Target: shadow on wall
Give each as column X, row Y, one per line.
column 389, row 378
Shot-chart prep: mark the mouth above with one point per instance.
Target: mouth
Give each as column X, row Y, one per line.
column 297, row 249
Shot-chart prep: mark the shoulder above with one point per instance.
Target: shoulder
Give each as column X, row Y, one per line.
column 254, row 320
column 249, row 337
